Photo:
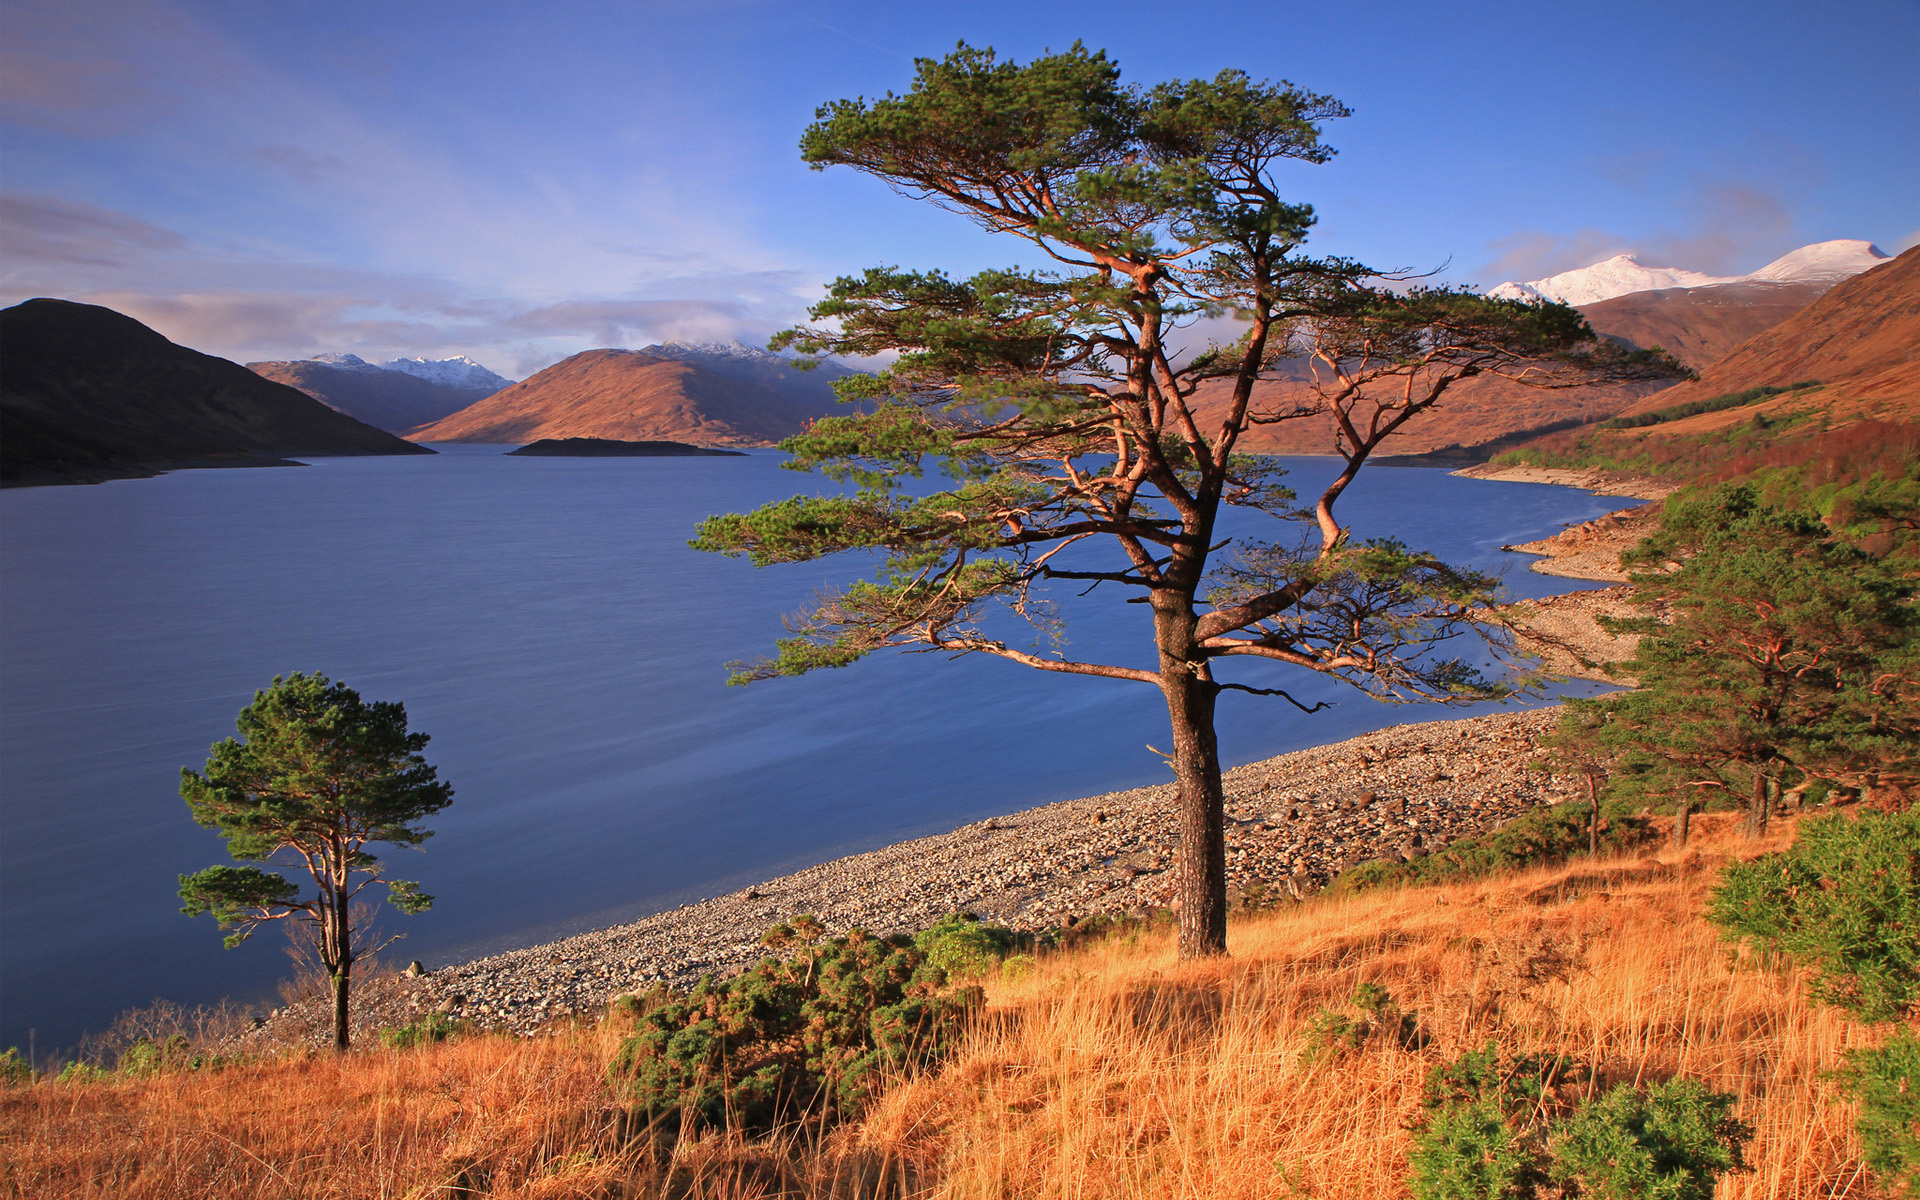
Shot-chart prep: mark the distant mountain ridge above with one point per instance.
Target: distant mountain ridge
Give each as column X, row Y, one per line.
column 89, row 394
column 713, row 395
column 458, row 372
column 386, row 398
column 1623, row 274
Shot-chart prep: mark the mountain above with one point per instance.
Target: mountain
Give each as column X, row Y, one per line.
column 87, row 394
column 1861, row 340
column 462, row 373
column 1699, row 325
column 386, row 399
column 1822, row 262
column 708, row 395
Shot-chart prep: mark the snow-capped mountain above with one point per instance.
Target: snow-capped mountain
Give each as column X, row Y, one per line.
column 734, row 349
column 346, row 362
column 461, row 372
column 1822, row 262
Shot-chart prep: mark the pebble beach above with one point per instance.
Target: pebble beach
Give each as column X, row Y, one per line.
column 1294, row 822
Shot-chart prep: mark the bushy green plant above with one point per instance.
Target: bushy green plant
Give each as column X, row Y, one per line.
column 15, row 1071
column 1537, row 837
column 1469, row 1151
column 1670, row 1142
column 808, row 1037
column 1845, row 900
column 150, row 1057
column 1370, row 1010
column 80, row 1071
column 437, row 1027
column 961, row 944
column 1482, row 1132
column 1886, row 1082
column 1507, row 1127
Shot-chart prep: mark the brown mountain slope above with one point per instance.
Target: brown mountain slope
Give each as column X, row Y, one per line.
column 1700, row 326
column 384, row 399
column 89, row 394
column 644, row 395
column 1861, row 339
column 1472, row 414
column 1696, row 325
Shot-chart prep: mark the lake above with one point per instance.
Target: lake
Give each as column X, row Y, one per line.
column 545, row 622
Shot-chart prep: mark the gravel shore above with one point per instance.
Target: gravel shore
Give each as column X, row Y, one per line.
column 1293, row 823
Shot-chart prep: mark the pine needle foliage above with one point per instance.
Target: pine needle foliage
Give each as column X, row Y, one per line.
column 320, row 775
column 1090, row 444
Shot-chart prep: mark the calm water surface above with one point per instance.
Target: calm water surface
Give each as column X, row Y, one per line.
column 545, row 622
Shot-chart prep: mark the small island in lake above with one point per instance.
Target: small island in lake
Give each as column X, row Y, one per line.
column 591, row 447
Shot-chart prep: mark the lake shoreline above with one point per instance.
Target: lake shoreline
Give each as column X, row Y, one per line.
column 1293, row 823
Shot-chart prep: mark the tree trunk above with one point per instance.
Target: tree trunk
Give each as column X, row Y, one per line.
column 340, row 988
column 1682, row 818
column 338, row 958
column 1190, row 693
column 1757, row 806
column 1593, row 818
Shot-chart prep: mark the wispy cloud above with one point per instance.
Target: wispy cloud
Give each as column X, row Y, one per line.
column 1732, row 227
column 40, row 230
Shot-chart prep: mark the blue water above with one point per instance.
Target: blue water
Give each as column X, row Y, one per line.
column 545, row 622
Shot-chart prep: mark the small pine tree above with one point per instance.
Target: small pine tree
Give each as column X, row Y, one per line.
column 320, row 775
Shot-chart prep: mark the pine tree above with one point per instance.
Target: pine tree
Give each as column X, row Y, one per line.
column 320, row 775
column 1063, row 407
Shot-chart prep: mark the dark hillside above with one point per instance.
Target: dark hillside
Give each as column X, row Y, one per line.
column 87, row 394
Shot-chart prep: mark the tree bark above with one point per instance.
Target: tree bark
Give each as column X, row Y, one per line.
column 1682, row 819
column 340, row 988
column 1190, row 693
column 1757, row 806
column 1593, row 817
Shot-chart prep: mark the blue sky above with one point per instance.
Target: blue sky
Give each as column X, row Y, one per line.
column 519, row 182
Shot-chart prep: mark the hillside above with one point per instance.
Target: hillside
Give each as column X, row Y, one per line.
column 1103, row 1068
column 1699, row 326
column 385, row 399
column 1861, row 340
column 89, row 394
column 1861, row 332
column 701, row 395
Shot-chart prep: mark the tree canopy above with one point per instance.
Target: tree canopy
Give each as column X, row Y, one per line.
column 1072, row 403
column 320, row 775
column 1774, row 651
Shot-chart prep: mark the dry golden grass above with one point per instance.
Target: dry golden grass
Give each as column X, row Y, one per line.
column 1113, row 1071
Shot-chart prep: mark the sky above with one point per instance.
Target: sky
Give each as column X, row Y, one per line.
column 519, row 182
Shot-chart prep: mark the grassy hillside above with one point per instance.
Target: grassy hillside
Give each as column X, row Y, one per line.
column 1104, row 1070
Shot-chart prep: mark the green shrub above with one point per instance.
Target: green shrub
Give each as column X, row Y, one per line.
column 1370, row 1010
column 1469, row 1151
column 438, row 1027
column 1482, row 1132
column 14, row 1070
column 1887, row 1084
column 1537, row 837
column 808, row 1038
column 80, row 1072
column 961, row 944
column 1844, row 900
column 1671, row 1142
column 149, row 1057
column 1497, row 1127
